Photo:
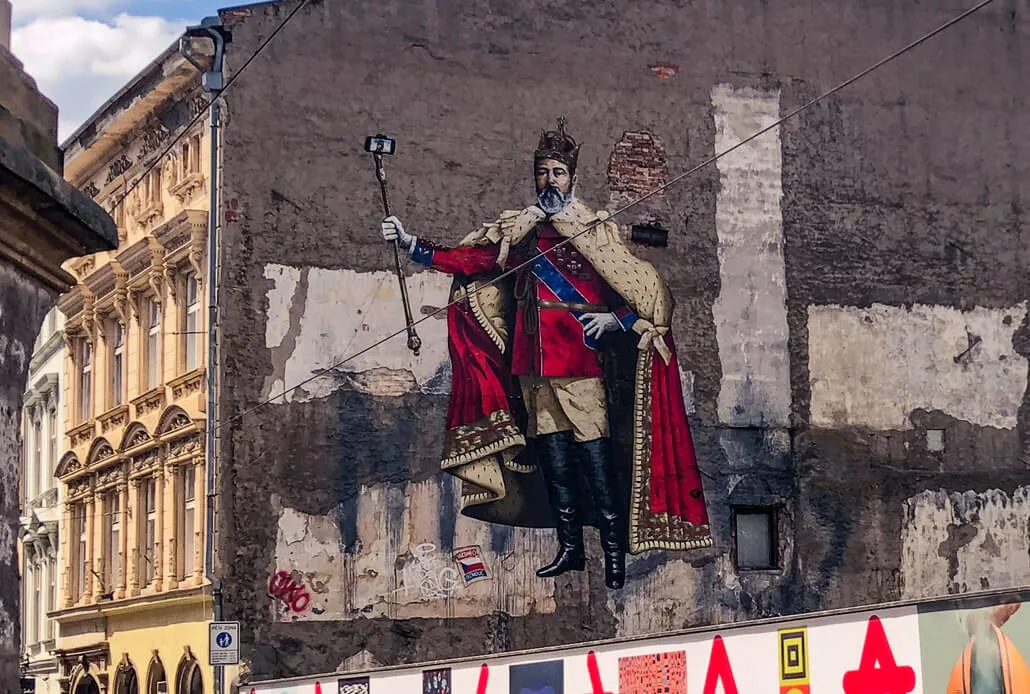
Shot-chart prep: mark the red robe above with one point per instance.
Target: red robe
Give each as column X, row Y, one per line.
column 484, row 443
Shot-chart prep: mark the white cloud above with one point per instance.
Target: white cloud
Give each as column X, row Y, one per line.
column 80, row 63
column 25, row 10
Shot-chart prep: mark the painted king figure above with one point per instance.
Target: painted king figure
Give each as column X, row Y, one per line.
column 529, row 416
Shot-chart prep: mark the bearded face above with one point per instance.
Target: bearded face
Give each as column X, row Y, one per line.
column 554, row 183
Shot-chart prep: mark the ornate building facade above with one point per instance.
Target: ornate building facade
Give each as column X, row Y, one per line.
column 38, row 534
column 134, row 603
column 44, row 221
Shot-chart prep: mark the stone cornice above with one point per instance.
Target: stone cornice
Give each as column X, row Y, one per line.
column 177, row 597
column 48, row 349
column 49, row 221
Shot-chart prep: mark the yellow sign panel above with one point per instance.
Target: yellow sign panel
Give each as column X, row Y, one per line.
column 794, row 660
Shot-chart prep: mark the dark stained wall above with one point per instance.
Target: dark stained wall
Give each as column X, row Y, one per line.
column 898, row 238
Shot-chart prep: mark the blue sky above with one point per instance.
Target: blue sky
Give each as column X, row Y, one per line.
column 82, row 51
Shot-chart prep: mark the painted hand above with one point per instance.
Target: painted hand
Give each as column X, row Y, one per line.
column 393, row 230
column 596, row 324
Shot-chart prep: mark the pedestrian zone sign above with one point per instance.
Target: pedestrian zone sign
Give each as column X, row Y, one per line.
column 224, row 643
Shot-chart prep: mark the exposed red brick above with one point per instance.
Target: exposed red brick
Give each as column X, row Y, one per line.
column 637, row 165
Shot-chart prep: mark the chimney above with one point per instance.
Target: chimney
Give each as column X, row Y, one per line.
column 5, row 24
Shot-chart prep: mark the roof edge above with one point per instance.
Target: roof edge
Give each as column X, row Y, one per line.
column 146, row 72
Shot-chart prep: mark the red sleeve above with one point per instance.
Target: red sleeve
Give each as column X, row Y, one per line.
column 471, row 260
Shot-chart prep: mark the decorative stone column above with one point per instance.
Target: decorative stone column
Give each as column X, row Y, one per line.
column 88, row 582
column 123, row 538
column 199, row 521
column 132, row 537
column 171, row 527
column 159, row 492
column 64, row 553
column 96, row 551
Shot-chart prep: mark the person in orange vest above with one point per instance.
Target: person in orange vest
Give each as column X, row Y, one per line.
column 990, row 663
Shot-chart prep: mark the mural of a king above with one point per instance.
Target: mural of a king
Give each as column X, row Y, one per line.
column 538, row 298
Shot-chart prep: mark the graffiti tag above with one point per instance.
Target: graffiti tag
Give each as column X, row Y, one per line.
column 282, row 586
column 430, row 573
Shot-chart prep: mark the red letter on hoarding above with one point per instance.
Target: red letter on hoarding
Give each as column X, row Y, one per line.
column 719, row 669
column 595, row 675
column 877, row 670
column 484, row 679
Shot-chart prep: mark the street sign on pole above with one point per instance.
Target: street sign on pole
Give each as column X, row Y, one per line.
column 224, row 643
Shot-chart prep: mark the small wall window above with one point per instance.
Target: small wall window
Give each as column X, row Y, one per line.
column 51, row 595
column 191, row 323
column 29, row 610
column 112, row 540
column 147, row 531
column 38, row 615
column 82, row 551
column 117, row 376
column 34, row 483
column 85, row 380
column 152, row 346
column 754, row 531
column 187, row 520
column 152, row 188
column 51, row 444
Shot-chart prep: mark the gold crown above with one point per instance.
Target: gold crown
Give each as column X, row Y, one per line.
column 558, row 145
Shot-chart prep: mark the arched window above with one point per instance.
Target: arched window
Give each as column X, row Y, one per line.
column 189, row 679
column 126, row 681
column 156, row 683
column 87, row 685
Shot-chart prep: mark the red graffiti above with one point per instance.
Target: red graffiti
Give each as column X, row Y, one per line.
column 596, row 687
column 877, row 670
column 719, row 670
column 484, row 679
column 282, row 586
column 230, row 212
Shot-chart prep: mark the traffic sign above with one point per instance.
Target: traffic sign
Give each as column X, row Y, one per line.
column 224, row 643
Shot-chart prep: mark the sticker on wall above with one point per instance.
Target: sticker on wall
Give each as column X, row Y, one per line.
column 473, row 566
column 656, row 673
column 354, row 685
column 436, row 681
column 537, row 678
column 794, row 661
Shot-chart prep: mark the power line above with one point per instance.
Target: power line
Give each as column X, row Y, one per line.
column 676, row 179
column 200, row 114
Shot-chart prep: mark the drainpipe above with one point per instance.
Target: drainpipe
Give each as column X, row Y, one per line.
column 212, row 82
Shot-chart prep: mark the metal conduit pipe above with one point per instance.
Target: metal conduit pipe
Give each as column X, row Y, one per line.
column 212, row 83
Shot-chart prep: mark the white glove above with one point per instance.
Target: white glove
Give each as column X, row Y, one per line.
column 393, row 230
column 596, row 324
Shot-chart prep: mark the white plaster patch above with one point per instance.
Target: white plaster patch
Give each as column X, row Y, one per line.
column 871, row 367
column 687, row 388
column 983, row 538
column 279, row 298
column 751, row 309
column 345, row 312
column 399, row 537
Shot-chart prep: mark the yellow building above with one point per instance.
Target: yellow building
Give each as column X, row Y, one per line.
column 134, row 604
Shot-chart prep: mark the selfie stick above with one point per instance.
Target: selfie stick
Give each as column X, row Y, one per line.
column 378, row 146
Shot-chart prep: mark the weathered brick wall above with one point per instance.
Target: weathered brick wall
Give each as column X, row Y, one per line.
column 827, row 276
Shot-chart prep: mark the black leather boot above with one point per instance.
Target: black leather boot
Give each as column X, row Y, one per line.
column 597, row 464
column 554, row 454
